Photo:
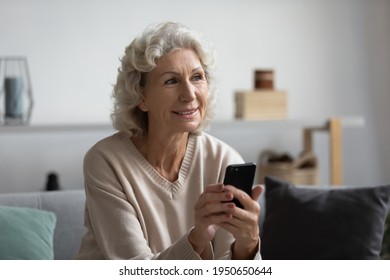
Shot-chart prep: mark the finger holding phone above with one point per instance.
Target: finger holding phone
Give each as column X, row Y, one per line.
column 213, row 207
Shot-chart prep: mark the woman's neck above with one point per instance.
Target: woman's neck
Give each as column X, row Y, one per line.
column 164, row 153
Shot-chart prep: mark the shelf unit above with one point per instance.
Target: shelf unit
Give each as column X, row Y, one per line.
column 56, row 128
column 354, row 121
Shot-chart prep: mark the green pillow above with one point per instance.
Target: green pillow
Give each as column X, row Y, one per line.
column 26, row 233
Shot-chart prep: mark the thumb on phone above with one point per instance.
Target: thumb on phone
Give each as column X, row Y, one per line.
column 257, row 191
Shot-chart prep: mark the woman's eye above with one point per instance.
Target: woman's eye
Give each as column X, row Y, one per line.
column 197, row 77
column 170, row 81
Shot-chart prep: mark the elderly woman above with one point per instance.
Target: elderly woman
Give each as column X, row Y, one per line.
column 154, row 188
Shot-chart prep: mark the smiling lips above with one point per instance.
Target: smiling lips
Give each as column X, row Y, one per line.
column 185, row 113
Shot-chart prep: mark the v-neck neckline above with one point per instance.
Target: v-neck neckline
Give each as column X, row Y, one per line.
column 168, row 186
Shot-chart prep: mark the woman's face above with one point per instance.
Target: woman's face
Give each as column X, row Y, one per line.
column 175, row 93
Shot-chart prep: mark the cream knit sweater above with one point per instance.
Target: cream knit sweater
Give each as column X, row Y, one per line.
column 134, row 213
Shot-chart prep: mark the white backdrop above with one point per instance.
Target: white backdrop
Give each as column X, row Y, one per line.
column 332, row 57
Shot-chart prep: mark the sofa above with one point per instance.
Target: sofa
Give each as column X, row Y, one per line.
column 68, row 207
column 297, row 222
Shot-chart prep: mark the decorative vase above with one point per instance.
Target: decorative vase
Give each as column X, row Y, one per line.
column 16, row 92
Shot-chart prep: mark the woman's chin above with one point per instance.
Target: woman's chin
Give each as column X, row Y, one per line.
column 188, row 127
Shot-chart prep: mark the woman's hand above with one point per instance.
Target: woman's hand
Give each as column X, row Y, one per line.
column 244, row 223
column 211, row 209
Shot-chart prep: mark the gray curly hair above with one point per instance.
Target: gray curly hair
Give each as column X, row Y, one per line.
column 140, row 58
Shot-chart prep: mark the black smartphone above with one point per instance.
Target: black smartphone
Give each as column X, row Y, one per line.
column 241, row 176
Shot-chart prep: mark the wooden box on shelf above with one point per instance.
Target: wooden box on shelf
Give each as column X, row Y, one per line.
column 261, row 104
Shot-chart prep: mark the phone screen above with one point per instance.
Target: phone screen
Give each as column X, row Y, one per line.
column 241, row 176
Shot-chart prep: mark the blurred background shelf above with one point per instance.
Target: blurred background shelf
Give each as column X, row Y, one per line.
column 273, row 125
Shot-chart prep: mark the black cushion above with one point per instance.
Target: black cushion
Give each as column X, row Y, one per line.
column 323, row 223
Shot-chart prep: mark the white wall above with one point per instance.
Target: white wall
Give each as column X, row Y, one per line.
column 331, row 56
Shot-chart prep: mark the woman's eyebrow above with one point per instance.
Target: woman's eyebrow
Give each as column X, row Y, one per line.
column 173, row 72
column 169, row 72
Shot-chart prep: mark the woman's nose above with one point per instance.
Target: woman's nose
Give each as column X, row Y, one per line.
column 187, row 92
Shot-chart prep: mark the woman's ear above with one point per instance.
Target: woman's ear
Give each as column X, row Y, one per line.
column 143, row 106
